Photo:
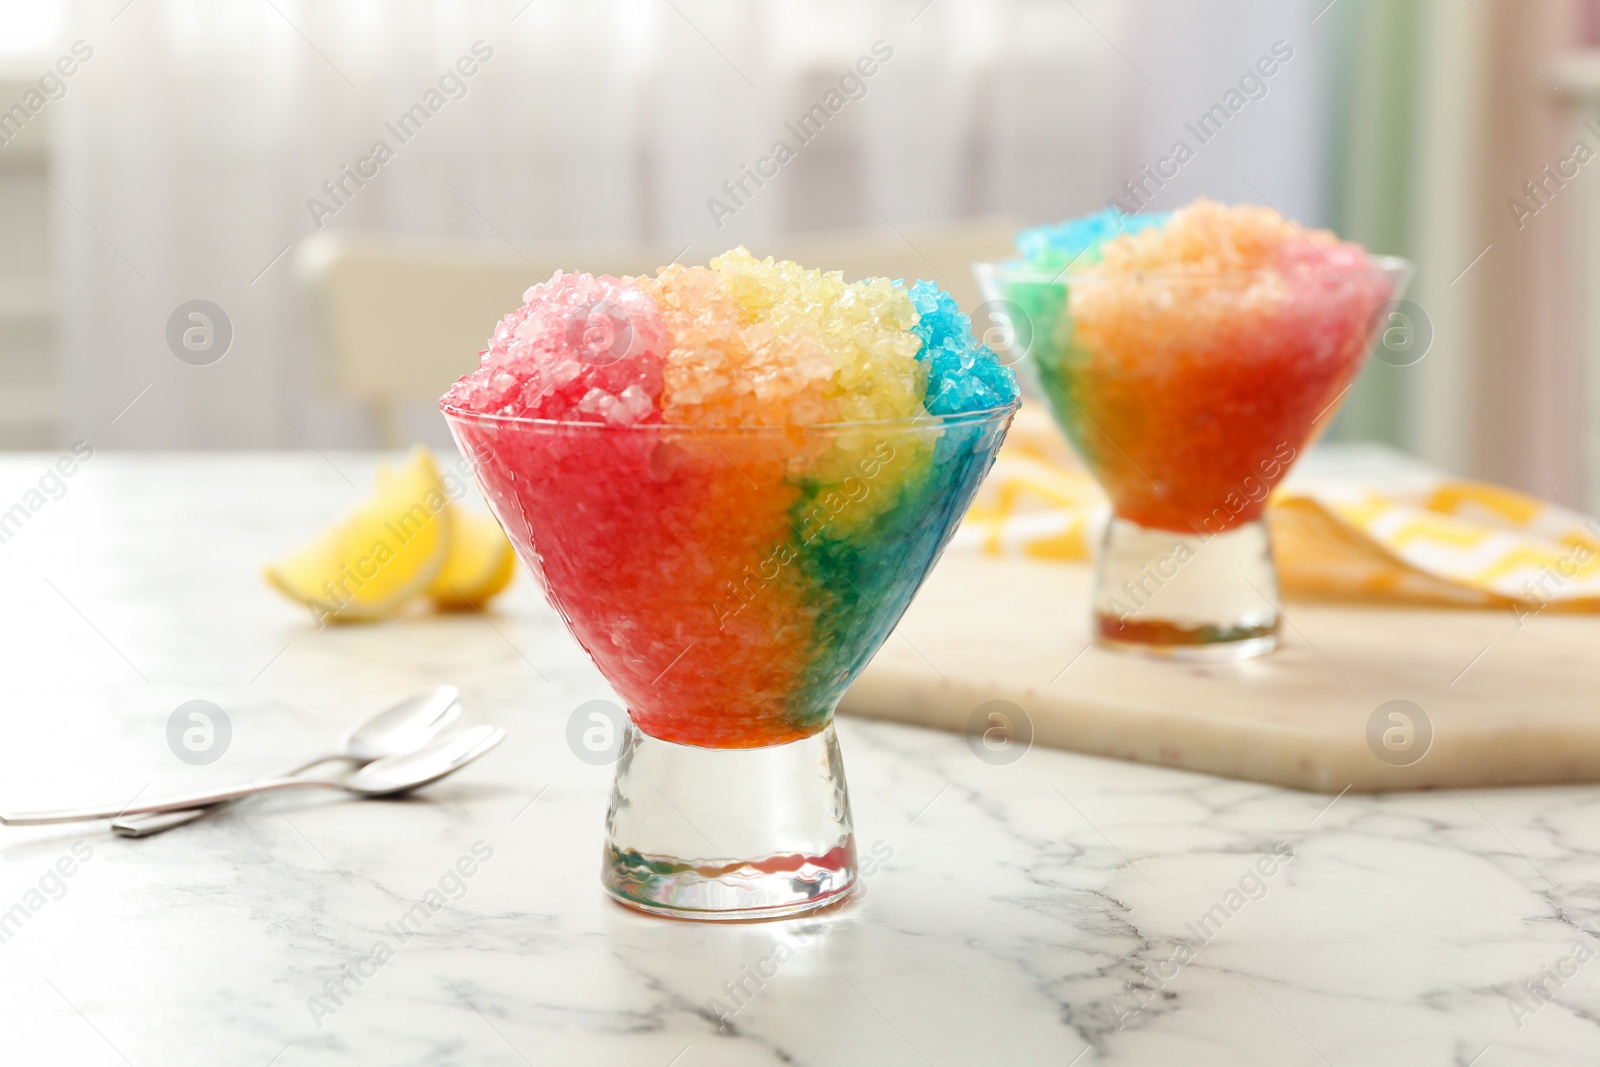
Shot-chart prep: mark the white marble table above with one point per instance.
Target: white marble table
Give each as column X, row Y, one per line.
column 1048, row 912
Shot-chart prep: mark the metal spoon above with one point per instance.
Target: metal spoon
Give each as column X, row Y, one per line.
column 400, row 728
column 384, row 777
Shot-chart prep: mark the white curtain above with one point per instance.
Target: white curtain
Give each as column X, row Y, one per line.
column 189, row 145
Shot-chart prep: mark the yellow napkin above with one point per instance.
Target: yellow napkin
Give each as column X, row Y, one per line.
column 1436, row 540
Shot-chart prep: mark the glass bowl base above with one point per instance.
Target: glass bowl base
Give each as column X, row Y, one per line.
column 1254, row 642
column 650, row 892
column 1200, row 596
column 729, row 834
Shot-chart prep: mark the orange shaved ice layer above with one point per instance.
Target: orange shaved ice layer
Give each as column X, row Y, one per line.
column 725, row 371
column 1212, row 237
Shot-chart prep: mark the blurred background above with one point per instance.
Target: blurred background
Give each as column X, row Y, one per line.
column 158, row 152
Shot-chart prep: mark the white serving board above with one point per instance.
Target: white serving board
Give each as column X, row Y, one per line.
column 1506, row 705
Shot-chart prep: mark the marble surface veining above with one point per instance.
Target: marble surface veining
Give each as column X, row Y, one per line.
column 1059, row 910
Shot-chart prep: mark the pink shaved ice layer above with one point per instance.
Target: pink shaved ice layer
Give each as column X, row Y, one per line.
column 580, row 349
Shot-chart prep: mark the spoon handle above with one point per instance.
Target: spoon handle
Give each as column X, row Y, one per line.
column 155, row 822
column 173, row 803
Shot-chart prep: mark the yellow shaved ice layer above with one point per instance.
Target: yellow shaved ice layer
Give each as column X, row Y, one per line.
column 771, row 343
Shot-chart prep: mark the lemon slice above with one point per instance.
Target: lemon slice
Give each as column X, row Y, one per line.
column 389, row 549
column 480, row 563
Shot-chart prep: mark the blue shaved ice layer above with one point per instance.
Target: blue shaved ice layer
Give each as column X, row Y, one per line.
column 963, row 374
column 1061, row 243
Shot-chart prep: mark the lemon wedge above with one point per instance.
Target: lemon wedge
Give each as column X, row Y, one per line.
column 392, row 547
column 480, row 563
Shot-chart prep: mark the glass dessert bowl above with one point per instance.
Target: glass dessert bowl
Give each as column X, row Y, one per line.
column 730, row 481
column 730, row 584
column 1189, row 393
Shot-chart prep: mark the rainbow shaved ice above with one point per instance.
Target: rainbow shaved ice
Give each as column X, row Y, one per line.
column 744, row 342
column 1190, row 353
column 731, row 479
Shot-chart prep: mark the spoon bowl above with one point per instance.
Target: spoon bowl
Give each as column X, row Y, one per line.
column 393, row 775
column 405, row 726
